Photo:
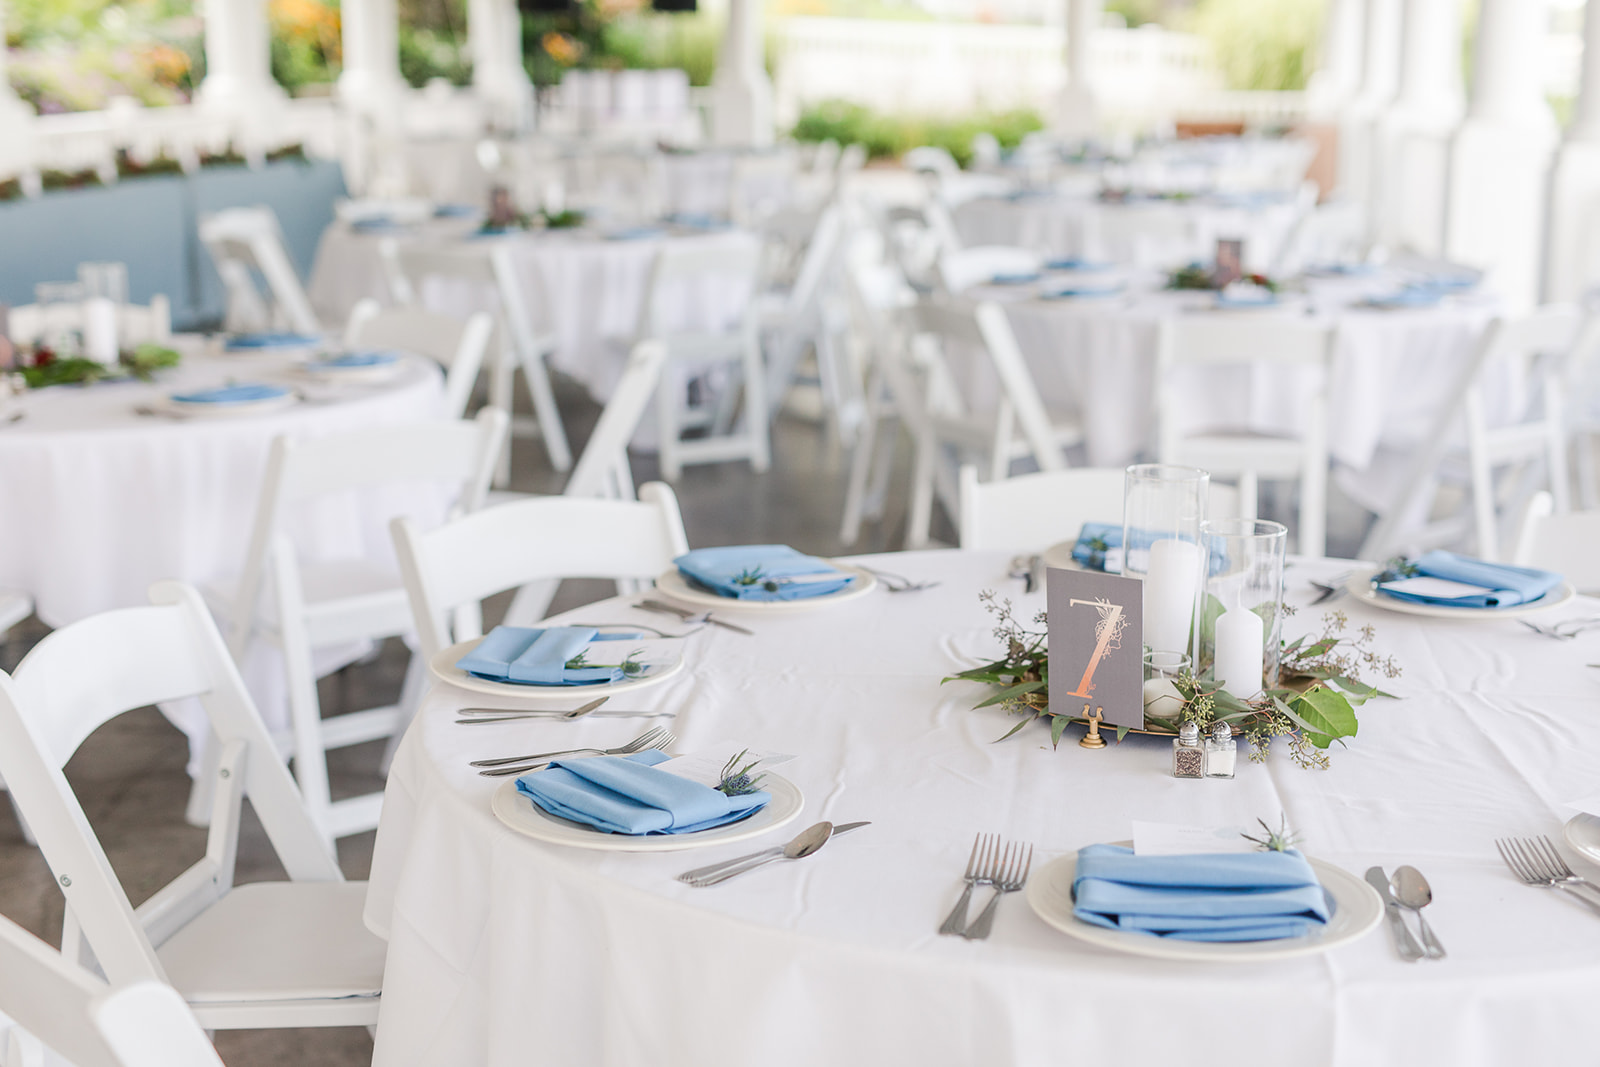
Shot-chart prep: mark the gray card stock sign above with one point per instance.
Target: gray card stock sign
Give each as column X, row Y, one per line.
column 1096, row 646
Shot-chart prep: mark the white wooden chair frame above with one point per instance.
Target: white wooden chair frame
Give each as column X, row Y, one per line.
column 1216, row 340
column 244, row 238
column 450, row 570
column 60, row 1005
column 457, row 345
column 266, row 955
column 448, row 452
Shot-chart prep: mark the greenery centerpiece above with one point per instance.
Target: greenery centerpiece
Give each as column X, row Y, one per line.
column 1198, row 276
column 42, row 367
column 1313, row 705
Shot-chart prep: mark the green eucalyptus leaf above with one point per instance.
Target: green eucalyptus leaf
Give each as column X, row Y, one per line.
column 1011, row 693
column 1122, row 731
column 1328, row 714
column 1015, row 728
column 1058, row 726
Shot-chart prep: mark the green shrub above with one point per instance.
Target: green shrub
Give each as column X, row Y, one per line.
column 1260, row 44
column 890, row 136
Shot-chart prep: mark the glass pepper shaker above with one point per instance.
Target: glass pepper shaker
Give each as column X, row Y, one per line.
column 1188, row 758
column 1222, row 752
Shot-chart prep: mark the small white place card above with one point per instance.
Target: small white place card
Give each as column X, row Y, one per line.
column 1175, row 839
column 1438, row 588
column 706, row 765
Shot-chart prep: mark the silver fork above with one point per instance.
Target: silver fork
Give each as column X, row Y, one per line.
column 645, row 740
column 1536, row 862
column 896, row 583
column 1013, row 876
column 1563, row 631
column 977, row 871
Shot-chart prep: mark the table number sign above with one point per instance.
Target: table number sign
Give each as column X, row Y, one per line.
column 1096, row 639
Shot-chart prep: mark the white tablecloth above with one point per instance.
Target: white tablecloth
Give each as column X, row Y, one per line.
column 1152, row 233
column 504, row 950
column 1392, row 370
column 585, row 290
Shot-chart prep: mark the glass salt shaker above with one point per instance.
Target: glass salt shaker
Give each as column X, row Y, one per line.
column 1222, row 752
column 1188, row 758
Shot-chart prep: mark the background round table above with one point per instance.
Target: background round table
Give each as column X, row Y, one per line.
column 502, row 948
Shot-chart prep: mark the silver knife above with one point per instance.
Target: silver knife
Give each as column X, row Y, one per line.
column 1404, row 943
column 686, row 615
column 523, row 716
column 766, row 853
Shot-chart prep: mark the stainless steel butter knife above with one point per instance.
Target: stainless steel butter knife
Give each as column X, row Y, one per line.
column 1404, row 942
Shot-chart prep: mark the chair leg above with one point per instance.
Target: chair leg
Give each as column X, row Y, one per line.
column 855, row 493
column 202, row 788
column 669, row 400
column 919, row 518
column 1313, row 539
column 500, row 380
column 1249, row 499
column 544, row 409
column 755, row 406
column 305, row 718
column 1588, row 492
column 22, row 824
column 411, row 690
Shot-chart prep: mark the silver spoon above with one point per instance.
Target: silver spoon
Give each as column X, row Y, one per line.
column 1412, row 891
column 805, row 844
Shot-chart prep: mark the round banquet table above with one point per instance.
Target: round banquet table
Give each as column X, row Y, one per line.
column 504, row 949
column 1392, row 370
column 584, row 289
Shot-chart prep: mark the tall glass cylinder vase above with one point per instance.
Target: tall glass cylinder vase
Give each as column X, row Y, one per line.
column 1242, row 618
column 1162, row 510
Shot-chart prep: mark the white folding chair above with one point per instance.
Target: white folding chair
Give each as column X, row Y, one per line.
column 259, row 956
column 136, row 323
column 451, row 569
column 1541, row 347
column 793, row 320
column 1030, row 512
column 1015, row 427
column 458, row 345
column 301, row 606
column 761, row 185
column 1561, row 543
column 244, row 241
column 79, row 1017
column 962, row 268
column 603, row 471
column 14, row 607
column 1144, row 235
column 489, row 265
column 1213, row 343
column 733, row 430
column 1334, row 232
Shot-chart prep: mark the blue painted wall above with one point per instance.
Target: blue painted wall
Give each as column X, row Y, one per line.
column 152, row 225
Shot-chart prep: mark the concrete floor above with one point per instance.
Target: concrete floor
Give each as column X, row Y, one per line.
column 130, row 774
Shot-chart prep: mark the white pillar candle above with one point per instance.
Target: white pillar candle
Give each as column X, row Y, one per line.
column 1239, row 656
column 1169, row 588
column 100, row 330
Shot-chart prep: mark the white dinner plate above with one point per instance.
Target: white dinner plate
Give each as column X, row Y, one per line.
column 675, row 585
column 526, row 817
column 213, row 409
column 1060, row 555
column 1583, row 833
column 380, row 372
column 1355, row 905
column 444, row 668
column 1360, row 586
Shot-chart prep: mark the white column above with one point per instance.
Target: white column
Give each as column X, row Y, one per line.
column 1380, row 78
column 1500, row 158
column 1413, row 136
column 16, row 117
column 1076, row 107
column 238, row 46
column 741, row 92
column 1338, row 75
column 1572, row 264
column 494, row 39
column 370, row 34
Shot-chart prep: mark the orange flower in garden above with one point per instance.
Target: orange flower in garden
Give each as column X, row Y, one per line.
column 562, row 48
column 164, row 64
column 312, row 20
column 613, row 8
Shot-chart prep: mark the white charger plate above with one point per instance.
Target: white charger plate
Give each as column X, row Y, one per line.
column 675, row 585
column 526, row 817
column 1583, row 834
column 226, row 409
column 381, row 372
column 1360, row 586
column 443, row 666
column 1355, row 905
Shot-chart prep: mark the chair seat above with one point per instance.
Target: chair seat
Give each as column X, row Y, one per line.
column 277, row 941
column 350, row 588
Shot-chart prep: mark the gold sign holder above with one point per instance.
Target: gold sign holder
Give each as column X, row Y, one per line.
column 1092, row 739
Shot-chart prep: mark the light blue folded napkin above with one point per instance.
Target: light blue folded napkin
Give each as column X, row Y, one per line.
column 1094, row 541
column 379, row 224
column 1409, row 297
column 454, row 211
column 1089, row 289
column 272, row 340
column 1255, row 896
column 232, row 394
column 634, row 233
column 762, row 572
column 1015, row 278
column 527, row 656
column 349, row 360
column 628, row 795
column 696, row 220
column 1510, row 585
column 1075, row 263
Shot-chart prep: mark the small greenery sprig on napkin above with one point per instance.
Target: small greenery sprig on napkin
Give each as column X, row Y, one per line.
column 1280, row 840
column 1313, row 707
column 631, row 667
column 736, row 780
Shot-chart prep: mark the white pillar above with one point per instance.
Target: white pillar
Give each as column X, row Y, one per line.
column 1076, row 107
column 1338, row 75
column 494, row 39
column 16, row 117
column 741, row 92
column 1572, row 263
column 1413, row 137
column 1380, row 79
column 370, row 34
column 238, row 45
column 1500, row 157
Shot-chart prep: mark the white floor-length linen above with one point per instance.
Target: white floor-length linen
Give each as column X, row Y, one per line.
column 504, row 951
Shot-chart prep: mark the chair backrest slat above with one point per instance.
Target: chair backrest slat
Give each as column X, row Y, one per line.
column 456, row 344
column 603, row 470
column 251, row 237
